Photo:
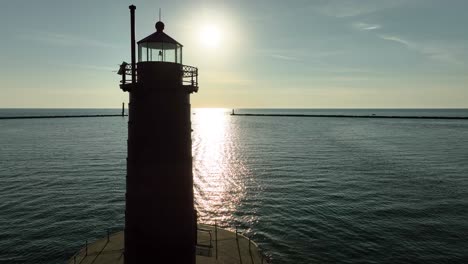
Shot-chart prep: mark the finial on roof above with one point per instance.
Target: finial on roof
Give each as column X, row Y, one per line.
column 159, row 26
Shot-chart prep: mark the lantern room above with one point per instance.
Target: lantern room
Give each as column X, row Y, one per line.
column 159, row 47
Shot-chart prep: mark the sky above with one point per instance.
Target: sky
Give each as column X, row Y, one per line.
column 259, row 54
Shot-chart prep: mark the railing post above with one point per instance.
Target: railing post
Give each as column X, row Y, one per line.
column 236, row 234
column 108, row 229
column 238, row 247
column 74, row 259
column 216, row 239
column 211, row 240
column 86, row 248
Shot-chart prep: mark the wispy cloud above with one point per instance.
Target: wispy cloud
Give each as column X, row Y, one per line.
column 366, row 26
column 283, row 57
column 223, row 77
column 436, row 51
column 352, row 8
column 281, row 54
column 344, row 70
column 90, row 67
column 323, row 54
column 296, row 54
column 398, row 40
column 64, row 39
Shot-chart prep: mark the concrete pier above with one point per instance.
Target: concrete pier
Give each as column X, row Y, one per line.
column 214, row 245
column 355, row 116
column 56, row 116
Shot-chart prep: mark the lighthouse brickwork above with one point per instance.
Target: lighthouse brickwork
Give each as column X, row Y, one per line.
column 160, row 219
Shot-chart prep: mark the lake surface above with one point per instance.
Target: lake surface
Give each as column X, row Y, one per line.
column 307, row 190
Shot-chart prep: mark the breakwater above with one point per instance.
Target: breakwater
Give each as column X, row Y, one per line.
column 55, row 116
column 356, row 116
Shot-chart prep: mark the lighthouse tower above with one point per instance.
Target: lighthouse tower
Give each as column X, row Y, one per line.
column 160, row 219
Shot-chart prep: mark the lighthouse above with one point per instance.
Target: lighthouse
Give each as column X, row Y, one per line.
column 160, row 219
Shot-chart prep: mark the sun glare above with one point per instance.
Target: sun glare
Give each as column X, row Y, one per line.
column 210, row 36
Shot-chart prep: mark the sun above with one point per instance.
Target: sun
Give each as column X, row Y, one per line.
column 210, row 36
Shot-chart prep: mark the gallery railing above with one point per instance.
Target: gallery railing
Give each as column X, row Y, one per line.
column 189, row 76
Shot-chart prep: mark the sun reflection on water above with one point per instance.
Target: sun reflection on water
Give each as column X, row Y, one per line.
column 218, row 172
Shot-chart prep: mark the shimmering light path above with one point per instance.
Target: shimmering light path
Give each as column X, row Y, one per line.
column 219, row 173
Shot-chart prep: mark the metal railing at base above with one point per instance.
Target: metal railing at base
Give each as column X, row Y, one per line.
column 264, row 258
column 79, row 256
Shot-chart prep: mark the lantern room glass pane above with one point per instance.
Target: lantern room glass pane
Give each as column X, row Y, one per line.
column 159, row 51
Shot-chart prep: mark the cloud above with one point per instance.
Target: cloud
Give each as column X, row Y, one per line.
column 281, row 54
column 323, row 54
column 352, row 8
column 365, row 26
column 227, row 77
column 437, row 51
column 296, row 54
column 398, row 40
column 344, row 70
column 283, row 57
column 64, row 39
column 91, row 67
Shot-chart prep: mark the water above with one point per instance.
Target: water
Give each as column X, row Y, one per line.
column 308, row 190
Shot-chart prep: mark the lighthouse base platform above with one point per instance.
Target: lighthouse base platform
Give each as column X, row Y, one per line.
column 214, row 245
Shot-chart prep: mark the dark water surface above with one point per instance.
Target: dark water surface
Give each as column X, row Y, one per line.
column 308, row 190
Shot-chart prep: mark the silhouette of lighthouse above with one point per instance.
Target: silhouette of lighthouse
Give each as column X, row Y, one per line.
column 160, row 218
